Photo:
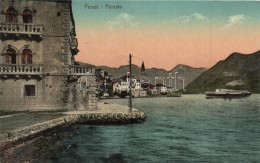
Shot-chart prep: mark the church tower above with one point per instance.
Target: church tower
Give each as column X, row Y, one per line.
column 143, row 69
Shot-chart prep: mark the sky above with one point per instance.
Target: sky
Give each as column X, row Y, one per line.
column 164, row 34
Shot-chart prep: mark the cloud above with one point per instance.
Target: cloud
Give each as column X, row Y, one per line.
column 193, row 18
column 122, row 20
column 235, row 20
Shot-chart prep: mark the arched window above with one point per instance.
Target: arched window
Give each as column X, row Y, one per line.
column 27, row 16
column 11, row 15
column 27, row 56
column 10, row 56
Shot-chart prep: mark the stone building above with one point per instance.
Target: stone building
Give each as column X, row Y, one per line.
column 37, row 48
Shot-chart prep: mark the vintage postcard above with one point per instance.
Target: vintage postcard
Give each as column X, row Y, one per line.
column 129, row 81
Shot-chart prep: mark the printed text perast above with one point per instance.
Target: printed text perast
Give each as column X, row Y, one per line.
column 113, row 6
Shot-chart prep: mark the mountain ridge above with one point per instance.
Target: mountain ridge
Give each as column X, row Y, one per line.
column 188, row 72
column 236, row 68
column 146, row 68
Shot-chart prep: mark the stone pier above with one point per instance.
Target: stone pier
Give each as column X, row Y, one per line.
column 104, row 114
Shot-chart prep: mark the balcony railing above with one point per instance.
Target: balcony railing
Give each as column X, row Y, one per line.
column 21, row 69
column 25, row 28
column 81, row 70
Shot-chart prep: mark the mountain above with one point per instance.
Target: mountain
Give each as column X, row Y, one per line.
column 237, row 71
column 189, row 74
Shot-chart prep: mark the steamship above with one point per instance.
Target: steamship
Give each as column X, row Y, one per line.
column 228, row 93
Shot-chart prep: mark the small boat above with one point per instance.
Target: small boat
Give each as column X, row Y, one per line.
column 227, row 93
column 174, row 94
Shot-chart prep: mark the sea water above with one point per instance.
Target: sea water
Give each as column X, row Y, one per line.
column 177, row 129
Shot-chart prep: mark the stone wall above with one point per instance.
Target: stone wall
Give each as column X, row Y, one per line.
column 81, row 98
column 19, row 135
column 47, row 97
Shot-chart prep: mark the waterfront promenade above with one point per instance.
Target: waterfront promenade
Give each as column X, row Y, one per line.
column 17, row 128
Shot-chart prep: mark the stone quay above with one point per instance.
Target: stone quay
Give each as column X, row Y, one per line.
column 106, row 114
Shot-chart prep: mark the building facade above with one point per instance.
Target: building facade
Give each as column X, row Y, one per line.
column 37, row 48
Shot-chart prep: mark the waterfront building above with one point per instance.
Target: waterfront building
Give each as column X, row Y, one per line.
column 37, row 48
column 122, row 88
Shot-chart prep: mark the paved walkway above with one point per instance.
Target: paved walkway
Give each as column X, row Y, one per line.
column 16, row 121
column 104, row 107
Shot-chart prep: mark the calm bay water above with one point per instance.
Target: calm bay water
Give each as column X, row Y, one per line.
column 186, row 129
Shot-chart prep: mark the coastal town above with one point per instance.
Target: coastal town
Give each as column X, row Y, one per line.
column 110, row 86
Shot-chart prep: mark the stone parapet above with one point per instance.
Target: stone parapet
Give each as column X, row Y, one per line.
column 80, row 70
column 24, row 28
column 14, row 69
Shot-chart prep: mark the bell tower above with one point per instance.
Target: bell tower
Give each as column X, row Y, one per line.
column 143, row 69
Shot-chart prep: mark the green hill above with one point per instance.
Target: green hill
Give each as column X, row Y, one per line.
column 238, row 71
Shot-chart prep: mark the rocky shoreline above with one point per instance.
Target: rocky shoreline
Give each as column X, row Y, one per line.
column 105, row 114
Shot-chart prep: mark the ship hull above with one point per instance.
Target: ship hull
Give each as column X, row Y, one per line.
column 226, row 95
